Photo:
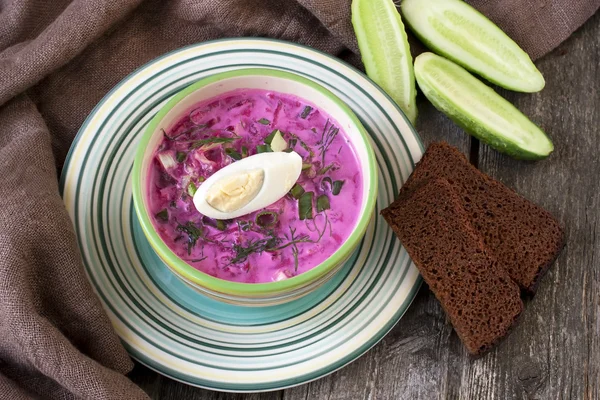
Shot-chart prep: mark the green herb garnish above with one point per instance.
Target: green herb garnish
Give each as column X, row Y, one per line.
column 271, row 135
column 306, row 112
column 295, row 139
column 191, row 189
column 242, row 252
column 327, row 180
column 330, row 131
column 201, row 179
column 305, row 147
column 306, row 166
column 244, row 152
column 278, row 143
column 305, row 209
column 233, row 153
column 221, row 225
column 212, row 140
column 324, row 170
column 323, row 203
column 297, row 191
column 263, row 148
column 264, row 121
column 337, row 187
column 193, row 232
column 266, row 219
column 292, row 143
column 162, row 215
column 180, row 156
column 244, row 226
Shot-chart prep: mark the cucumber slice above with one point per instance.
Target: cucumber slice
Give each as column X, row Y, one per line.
column 478, row 109
column 385, row 51
column 459, row 32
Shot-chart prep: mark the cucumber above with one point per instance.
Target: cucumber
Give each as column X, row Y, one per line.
column 385, row 51
column 457, row 31
column 478, row 109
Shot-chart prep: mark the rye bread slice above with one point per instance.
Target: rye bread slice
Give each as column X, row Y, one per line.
column 475, row 291
column 524, row 237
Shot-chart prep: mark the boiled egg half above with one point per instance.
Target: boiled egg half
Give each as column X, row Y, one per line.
column 248, row 185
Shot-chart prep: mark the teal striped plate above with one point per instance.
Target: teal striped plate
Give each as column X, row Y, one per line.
column 178, row 332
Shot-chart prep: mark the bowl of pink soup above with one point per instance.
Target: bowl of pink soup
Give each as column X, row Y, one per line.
column 286, row 153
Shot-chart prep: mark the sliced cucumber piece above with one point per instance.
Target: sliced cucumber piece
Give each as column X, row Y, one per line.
column 385, row 51
column 459, row 32
column 478, row 109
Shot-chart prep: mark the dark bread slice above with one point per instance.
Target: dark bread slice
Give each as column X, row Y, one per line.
column 524, row 237
column 477, row 294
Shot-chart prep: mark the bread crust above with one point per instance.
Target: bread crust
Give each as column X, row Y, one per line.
column 476, row 292
column 524, row 237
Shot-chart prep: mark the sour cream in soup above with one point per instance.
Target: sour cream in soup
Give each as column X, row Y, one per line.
column 265, row 222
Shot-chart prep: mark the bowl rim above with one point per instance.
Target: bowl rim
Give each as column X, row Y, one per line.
column 180, row 267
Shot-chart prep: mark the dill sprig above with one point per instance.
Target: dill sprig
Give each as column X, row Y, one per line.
column 193, row 232
column 329, row 133
column 253, row 246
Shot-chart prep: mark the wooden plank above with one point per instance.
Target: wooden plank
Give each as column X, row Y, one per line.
column 555, row 351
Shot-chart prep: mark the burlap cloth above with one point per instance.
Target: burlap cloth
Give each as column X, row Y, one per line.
column 58, row 58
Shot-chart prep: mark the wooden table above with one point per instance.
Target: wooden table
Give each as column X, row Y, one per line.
column 554, row 353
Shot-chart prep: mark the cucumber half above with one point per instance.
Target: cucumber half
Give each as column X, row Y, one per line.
column 478, row 109
column 385, row 51
column 459, row 32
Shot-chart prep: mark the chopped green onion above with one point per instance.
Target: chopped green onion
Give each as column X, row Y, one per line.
column 167, row 160
column 180, row 156
column 306, row 112
column 244, row 152
column 324, row 170
column 293, row 142
column 306, row 166
column 305, row 210
column 288, row 150
column 212, row 140
column 270, row 137
column 266, row 219
column 245, row 226
column 201, row 179
column 305, row 147
column 337, row 187
column 221, row 225
column 328, row 181
column 278, row 143
column 323, row 203
column 191, row 189
column 215, row 223
column 233, row 153
column 162, row 216
column 264, row 121
column 263, row 148
column 297, row 191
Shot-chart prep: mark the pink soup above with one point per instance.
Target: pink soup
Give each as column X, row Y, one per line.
column 290, row 236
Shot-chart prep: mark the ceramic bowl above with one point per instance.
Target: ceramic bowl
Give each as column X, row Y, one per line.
column 254, row 294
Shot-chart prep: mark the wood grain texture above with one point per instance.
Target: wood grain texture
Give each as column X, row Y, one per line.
column 554, row 353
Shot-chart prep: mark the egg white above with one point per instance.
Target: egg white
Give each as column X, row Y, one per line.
column 281, row 171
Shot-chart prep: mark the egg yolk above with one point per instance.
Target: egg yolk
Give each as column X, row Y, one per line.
column 234, row 192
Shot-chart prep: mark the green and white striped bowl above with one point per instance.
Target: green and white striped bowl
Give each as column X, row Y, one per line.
column 171, row 328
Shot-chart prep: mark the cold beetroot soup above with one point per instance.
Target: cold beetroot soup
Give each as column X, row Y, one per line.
column 286, row 238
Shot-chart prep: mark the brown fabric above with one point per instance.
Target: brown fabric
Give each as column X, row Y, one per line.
column 57, row 60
